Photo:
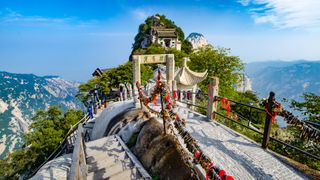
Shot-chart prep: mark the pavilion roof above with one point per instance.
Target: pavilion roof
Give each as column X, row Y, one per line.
column 187, row 77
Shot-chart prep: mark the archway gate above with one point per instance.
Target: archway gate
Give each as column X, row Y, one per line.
column 168, row 59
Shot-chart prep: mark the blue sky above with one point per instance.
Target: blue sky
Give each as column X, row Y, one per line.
column 70, row 38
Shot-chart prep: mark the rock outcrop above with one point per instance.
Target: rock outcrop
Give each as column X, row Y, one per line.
column 161, row 154
column 197, row 40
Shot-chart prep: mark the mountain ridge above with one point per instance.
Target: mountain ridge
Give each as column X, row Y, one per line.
column 22, row 95
column 289, row 79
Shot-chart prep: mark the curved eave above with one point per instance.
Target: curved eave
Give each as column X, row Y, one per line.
column 189, row 78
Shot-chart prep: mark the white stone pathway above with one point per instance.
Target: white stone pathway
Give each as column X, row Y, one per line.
column 236, row 154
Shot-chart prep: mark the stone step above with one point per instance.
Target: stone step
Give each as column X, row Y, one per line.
column 101, row 142
column 102, row 164
column 115, row 152
column 128, row 174
column 105, row 172
column 106, row 157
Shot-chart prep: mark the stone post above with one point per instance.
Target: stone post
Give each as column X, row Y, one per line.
column 121, row 96
column 194, row 89
column 125, row 93
column 136, row 78
column 170, row 69
column 130, row 90
column 212, row 92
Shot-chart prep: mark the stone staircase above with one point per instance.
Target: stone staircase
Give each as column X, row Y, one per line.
column 109, row 158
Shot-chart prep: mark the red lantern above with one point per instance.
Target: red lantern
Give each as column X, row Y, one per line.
column 229, row 178
column 222, row 173
column 197, row 154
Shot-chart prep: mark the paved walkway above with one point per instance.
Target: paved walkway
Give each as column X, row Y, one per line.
column 239, row 156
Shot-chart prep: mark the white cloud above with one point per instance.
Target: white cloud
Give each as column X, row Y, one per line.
column 302, row 14
column 10, row 17
column 15, row 17
column 140, row 14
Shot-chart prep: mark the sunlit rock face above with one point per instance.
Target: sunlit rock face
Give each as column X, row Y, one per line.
column 161, row 154
column 197, row 40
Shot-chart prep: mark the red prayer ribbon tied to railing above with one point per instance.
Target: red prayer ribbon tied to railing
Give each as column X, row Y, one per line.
column 225, row 103
column 273, row 115
column 167, row 98
column 155, row 100
column 175, row 95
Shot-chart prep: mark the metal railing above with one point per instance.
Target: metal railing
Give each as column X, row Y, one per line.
column 266, row 131
column 271, row 138
column 241, row 116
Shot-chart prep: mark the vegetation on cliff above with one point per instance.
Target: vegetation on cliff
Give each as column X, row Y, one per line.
column 46, row 132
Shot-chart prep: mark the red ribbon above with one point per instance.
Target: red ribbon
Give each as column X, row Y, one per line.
column 147, row 103
column 167, row 98
column 175, row 94
column 155, row 99
column 226, row 105
column 273, row 116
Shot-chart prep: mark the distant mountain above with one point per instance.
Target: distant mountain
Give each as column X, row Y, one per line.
column 21, row 95
column 287, row 79
column 197, row 40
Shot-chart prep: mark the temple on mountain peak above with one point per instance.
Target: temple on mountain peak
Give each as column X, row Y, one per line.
column 159, row 34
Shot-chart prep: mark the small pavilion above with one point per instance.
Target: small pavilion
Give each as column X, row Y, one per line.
column 187, row 79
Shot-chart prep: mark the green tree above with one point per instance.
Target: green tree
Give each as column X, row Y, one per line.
column 310, row 107
column 186, row 47
column 219, row 63
column 112, row 79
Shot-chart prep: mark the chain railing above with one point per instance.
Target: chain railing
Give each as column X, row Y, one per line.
column 172, row 120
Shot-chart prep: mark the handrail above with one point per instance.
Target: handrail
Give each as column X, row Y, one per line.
column 255, row 130
column 271, row 138
column 61, row 146
column 78, row 169
column 243, row 104
column 137, row 163
column 226, row 117
column 313, row 123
